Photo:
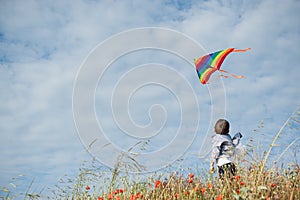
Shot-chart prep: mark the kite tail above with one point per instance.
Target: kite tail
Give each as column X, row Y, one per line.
column 215, row 78
column 241, row 50
column 224, row 76
column 233, row 75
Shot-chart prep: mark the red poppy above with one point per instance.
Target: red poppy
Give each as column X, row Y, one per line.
column 203, row 190
column 190, row 180
column 238, row 191
column 87, row 187
column 110, row 196
column 136, row 196
column 242, row 183
column 219, row 197
column 133, row 197
column 100, row 198
column 209, row 185
column 272, row 185
column 191, row 175
column 237, row 178
column 115, row 192
column 158, row 184
column 139, row 195
column 176, row 195
column 118, row 198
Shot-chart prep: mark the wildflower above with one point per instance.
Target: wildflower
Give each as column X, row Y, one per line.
column 209, row 185
column 191, row 176
column 136, row 196
column 87, row 187
column 133, row 197
column 100, row 198
column 237, row 178
column 219, row 197
column 272, row 185
column 238, row 191
column 203, row 190
column 242, row 183
column 186, row 192
column 176, row 195
column 110, row 196
column 139, row 195
column 118, row 198
column 196, row 189
column 190, row 180
column 115, row 192
column 158, row 184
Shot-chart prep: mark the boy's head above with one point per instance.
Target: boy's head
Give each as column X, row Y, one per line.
column 222, row 127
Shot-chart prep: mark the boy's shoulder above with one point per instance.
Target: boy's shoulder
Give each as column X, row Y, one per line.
column 222, row 136
column 218, row 138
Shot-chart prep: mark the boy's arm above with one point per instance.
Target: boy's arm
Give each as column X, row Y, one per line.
column 214, row 155
column 236, row 138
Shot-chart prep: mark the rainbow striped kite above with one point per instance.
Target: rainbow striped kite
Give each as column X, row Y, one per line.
column 208, row 64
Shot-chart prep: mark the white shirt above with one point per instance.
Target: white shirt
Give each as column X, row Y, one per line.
column 219, row 157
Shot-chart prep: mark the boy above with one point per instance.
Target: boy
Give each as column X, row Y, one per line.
column 223, row 149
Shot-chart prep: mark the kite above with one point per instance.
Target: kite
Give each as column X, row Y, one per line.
column 208, row 64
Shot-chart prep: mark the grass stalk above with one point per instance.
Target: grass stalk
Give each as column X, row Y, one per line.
column 276, row 138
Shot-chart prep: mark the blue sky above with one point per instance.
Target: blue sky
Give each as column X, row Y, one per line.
column 43, row 44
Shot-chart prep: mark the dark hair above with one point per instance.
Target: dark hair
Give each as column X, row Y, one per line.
column 222, row 126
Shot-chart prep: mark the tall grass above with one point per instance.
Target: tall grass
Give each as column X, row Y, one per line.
column 249, row 183
column 254, row 180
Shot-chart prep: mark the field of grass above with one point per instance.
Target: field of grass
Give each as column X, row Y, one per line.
column 253, row 181
column 249, row 183
column 256, row 179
